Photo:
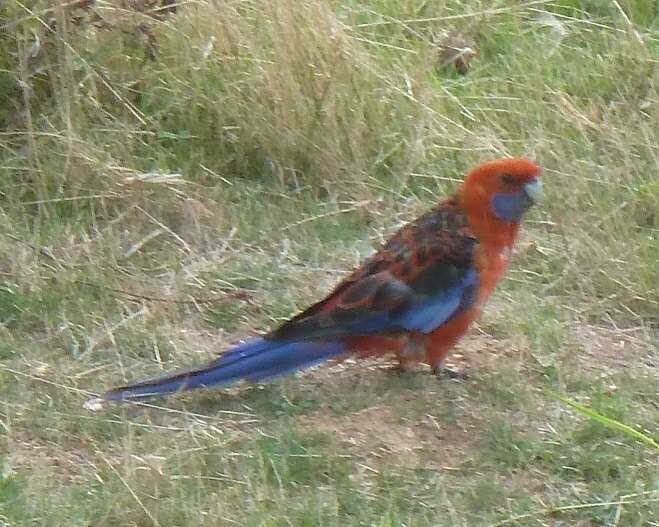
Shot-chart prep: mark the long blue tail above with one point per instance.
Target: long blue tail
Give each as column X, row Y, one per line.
column 254, row 360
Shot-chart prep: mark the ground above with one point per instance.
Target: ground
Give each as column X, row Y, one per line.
column 174, row 178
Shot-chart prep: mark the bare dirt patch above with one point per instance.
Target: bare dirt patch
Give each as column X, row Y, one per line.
column 378, row 436
column 604, row 350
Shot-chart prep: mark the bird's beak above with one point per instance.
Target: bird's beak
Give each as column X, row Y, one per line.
column 533, row 190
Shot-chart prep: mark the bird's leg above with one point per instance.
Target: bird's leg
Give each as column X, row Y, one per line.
column 411, row 353
column 401, row 367
column 438, row 349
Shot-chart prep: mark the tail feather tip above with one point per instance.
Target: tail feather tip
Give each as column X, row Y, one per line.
column 94, row 405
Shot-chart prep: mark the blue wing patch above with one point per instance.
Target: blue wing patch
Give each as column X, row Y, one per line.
column 424, row 313
column 431, row 312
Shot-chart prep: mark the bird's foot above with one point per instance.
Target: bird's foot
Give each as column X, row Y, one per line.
column 401, row 368
column 442, row 371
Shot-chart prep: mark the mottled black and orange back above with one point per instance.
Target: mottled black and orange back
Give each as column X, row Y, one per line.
column 422, row 260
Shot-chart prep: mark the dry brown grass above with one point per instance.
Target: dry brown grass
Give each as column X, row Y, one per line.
column 173, row 181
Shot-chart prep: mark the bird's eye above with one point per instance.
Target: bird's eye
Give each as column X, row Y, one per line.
column 508, row 179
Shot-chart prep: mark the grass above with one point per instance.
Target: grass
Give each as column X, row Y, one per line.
column 174, row 180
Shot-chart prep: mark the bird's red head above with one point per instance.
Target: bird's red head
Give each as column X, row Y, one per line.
column 503, row 188
column 496, row 194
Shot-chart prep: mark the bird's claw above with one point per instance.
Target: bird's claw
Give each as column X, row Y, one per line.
column 451, row 373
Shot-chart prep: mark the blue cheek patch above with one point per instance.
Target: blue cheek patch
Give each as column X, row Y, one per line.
column 510, row 206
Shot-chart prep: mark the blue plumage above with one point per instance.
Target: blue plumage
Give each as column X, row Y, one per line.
column 423, row 313
column 254, row 360
column 428, row 314
column 509, row 206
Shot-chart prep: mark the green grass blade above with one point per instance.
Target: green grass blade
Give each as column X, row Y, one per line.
column 606, row 421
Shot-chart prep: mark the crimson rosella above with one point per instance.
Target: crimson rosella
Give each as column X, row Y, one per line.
column 414, row 298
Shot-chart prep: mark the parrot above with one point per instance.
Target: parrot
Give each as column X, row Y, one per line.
column 412, row 299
